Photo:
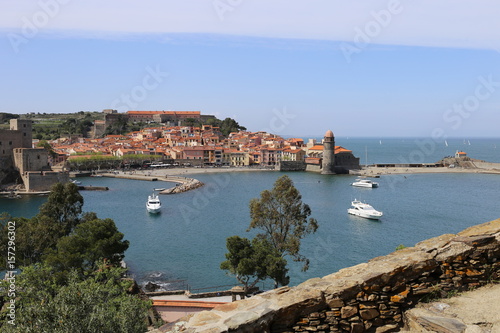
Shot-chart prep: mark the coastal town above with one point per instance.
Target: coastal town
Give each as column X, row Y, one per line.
column 179, row 142
column 192, row 145
column 169, row 143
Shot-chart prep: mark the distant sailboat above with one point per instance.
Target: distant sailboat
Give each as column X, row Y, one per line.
column 468, row 142
column 446, row 143
column 380, row 141
column 366, row 156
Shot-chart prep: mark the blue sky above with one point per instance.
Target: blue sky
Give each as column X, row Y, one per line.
column 296, row 67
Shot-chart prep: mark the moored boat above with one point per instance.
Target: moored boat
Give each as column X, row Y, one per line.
column 362, row 182
column 153, row 205
column 365, row 210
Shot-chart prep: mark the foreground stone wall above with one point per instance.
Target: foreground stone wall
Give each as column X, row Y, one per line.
column 368, row 297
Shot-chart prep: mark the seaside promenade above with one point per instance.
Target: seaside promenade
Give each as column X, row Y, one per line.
column 170, row 173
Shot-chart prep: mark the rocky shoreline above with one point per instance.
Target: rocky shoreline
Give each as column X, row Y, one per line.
column 184, row 185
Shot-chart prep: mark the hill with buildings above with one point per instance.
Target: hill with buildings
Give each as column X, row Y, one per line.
column 154, row 139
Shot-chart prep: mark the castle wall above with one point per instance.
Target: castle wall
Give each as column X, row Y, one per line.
column 291, row 166
column 24, row 126
column 369, row 297
column 31, row 159
column 345, row 162
column 313, row 168
column 43, row 180
column 9, row 140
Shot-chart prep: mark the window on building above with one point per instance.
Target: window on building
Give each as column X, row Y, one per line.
column 10, row 143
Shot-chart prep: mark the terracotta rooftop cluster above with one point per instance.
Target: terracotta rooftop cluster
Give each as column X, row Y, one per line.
column 185, row 142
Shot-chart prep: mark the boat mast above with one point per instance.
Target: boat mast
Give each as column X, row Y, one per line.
column 366, row 157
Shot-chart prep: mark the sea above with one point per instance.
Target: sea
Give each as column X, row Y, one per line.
column 183, row 246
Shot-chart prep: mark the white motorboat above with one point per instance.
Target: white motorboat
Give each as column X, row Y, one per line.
column 76, row 182
column 365, row 210
column 362, row 182
column 153, row 205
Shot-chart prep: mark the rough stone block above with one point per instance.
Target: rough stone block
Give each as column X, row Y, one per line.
column 368, row 314
column 348, row 311
column 335, row 303
column 387, row 328
column 357, row 327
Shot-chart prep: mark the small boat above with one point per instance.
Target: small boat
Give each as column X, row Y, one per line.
column 361, row 182
column 159, row 189
column 365, row 210
column 153, row 205
column 76, row 182
column 13, row 195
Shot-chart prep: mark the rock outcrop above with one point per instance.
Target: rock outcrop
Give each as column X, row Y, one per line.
column 183, row 185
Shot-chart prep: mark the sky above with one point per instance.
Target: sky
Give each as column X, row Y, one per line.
column 363, row 68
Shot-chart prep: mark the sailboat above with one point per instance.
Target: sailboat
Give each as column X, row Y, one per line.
column 366, row 156
column 446, row 143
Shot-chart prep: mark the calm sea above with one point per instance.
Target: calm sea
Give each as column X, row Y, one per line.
column 186, row 241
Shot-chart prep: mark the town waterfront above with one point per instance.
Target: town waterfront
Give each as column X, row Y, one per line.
column 187, row 240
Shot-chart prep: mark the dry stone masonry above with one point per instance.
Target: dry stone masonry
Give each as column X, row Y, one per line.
column 369, row 297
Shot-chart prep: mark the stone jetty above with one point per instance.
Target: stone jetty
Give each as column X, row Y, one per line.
column 183, row 184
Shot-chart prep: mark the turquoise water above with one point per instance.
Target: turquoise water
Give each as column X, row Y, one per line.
column 187, row 240
column 419, row 150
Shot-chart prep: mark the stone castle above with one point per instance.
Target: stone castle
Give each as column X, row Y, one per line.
column 19, row 161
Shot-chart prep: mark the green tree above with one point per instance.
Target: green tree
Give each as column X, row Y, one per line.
column 253, row 261
column 92, row 241
column 44, row 144
column 95, row 303
column 283, row 219
column 229, row 125
column 64, row 205
column 57, row 218
column 119, row 126
column 33, row 237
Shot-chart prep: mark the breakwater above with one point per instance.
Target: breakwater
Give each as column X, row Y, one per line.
column 369, row 297
column 183, row 184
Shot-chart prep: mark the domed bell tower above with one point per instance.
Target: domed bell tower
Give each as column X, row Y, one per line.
column 328, row 165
